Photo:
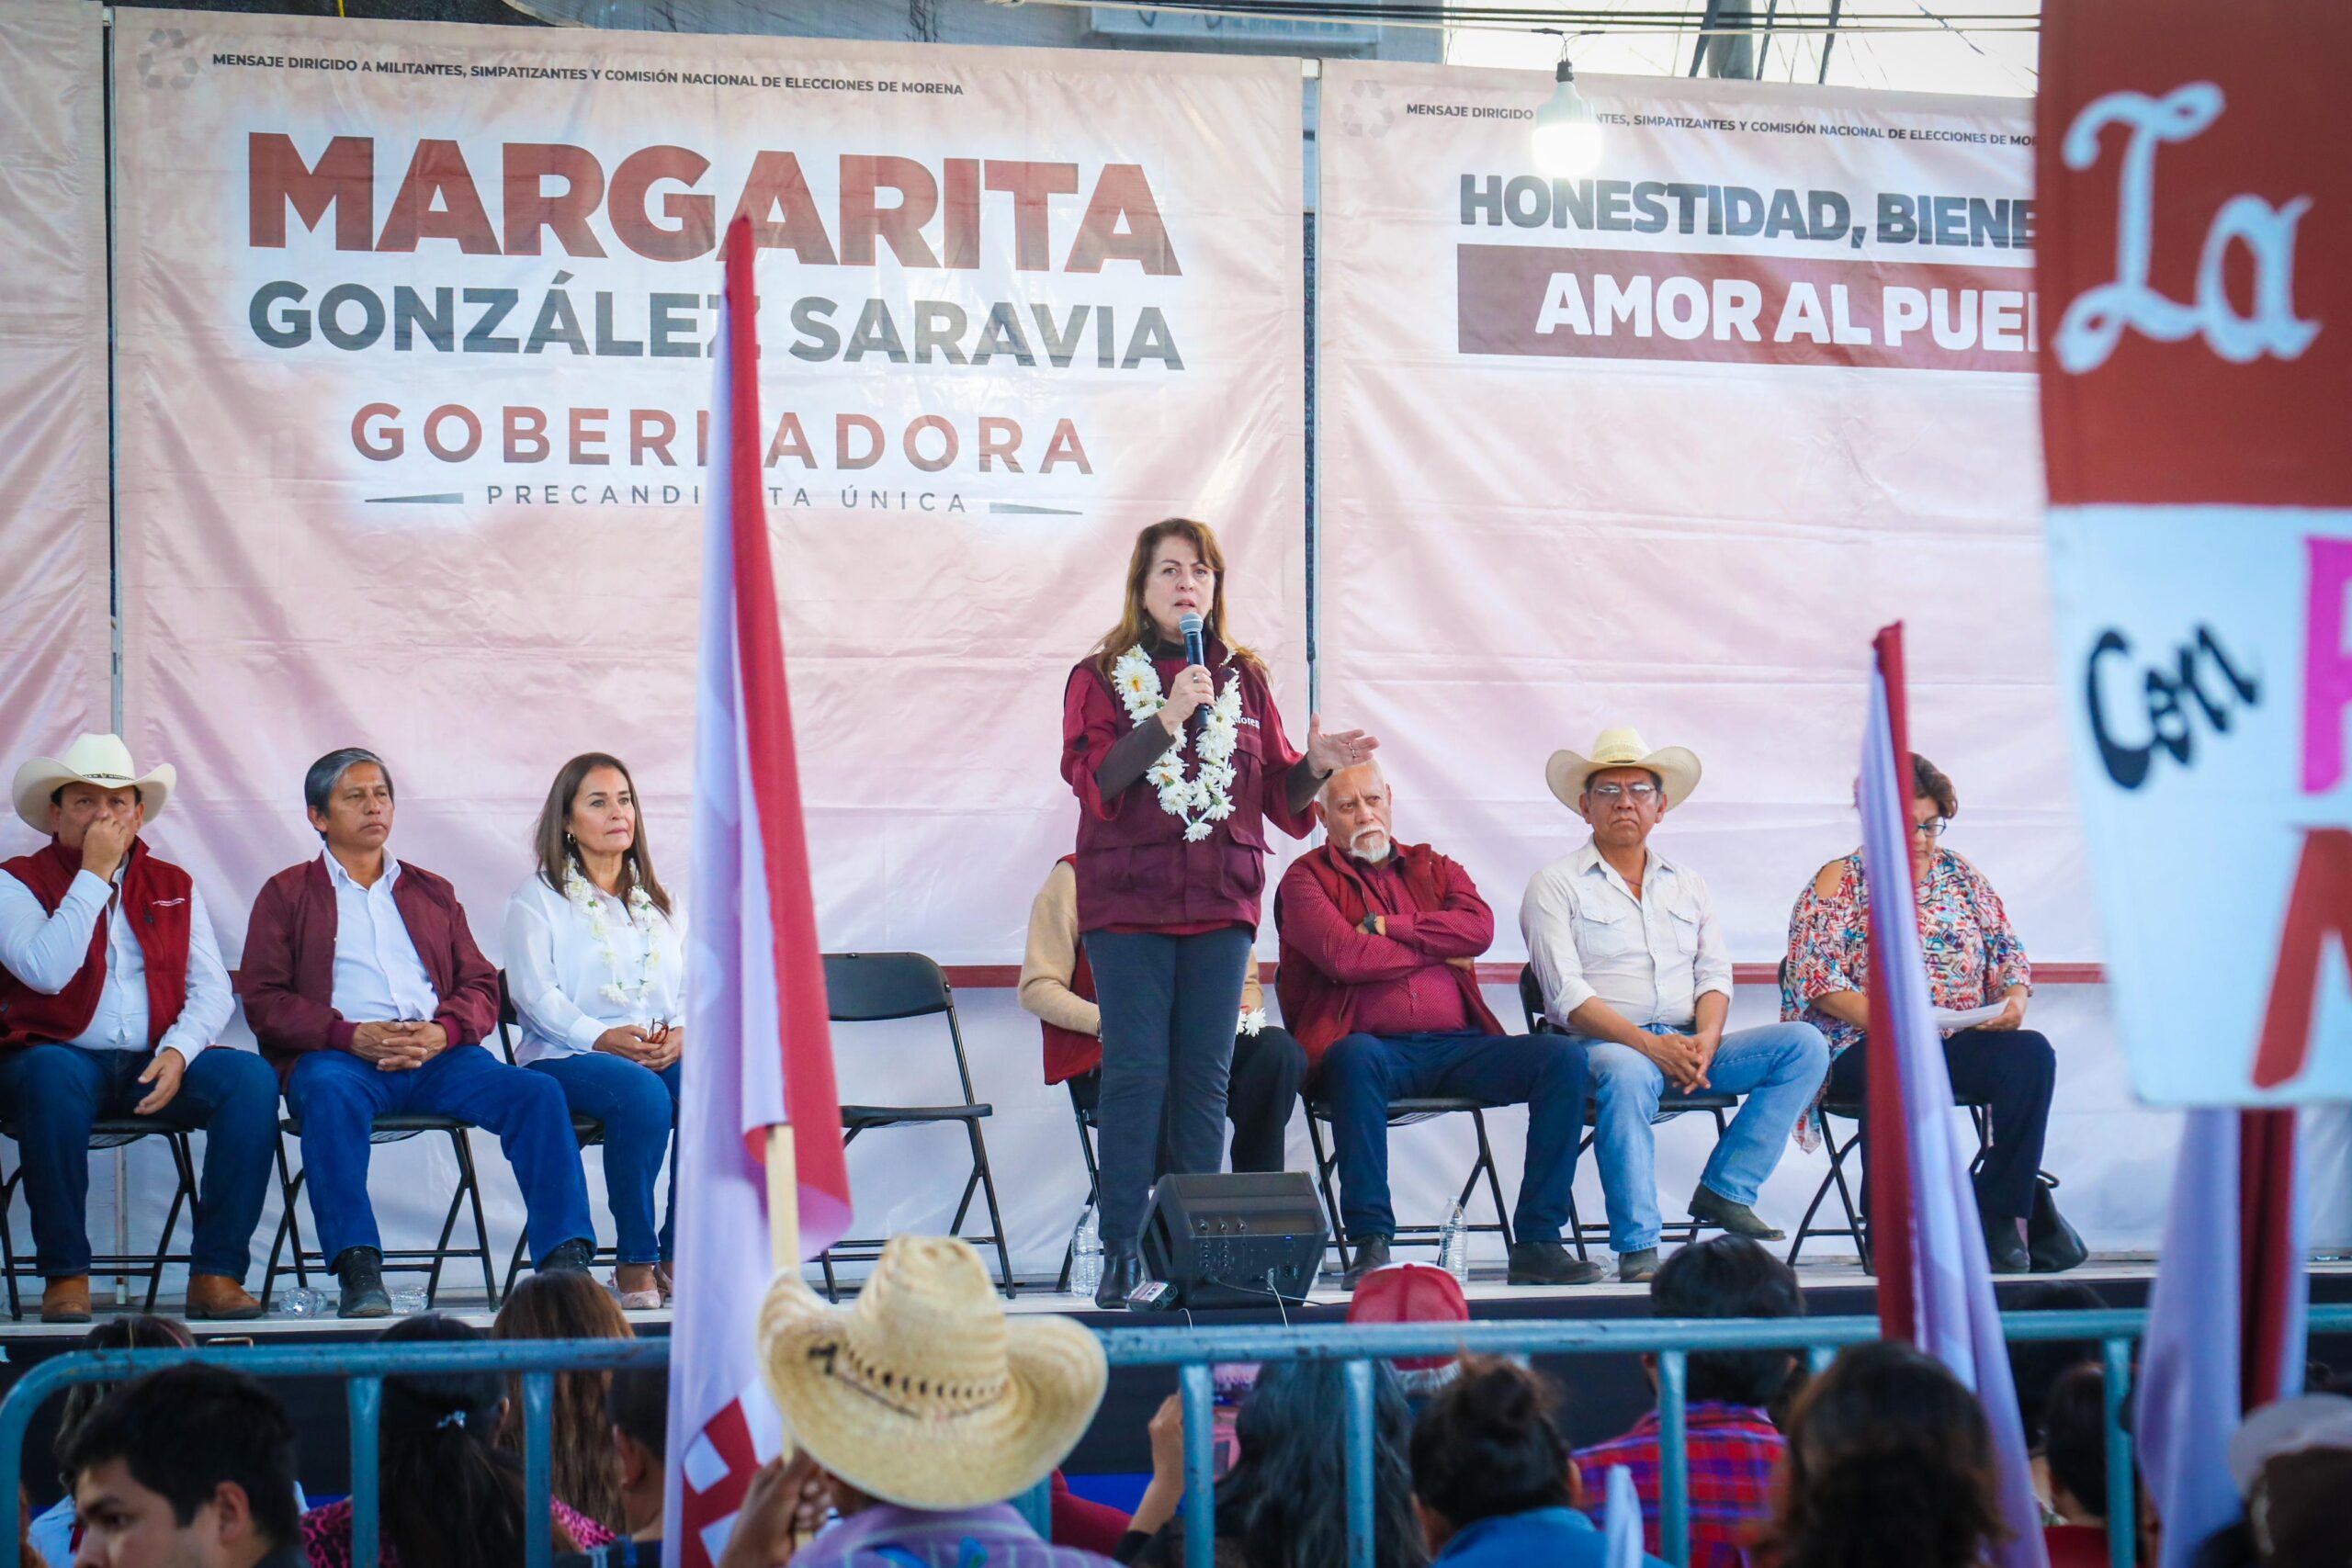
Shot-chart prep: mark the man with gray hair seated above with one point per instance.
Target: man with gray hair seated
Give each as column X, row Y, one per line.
column 363, row 984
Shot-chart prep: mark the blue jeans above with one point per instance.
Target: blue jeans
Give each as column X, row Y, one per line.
column 338, row 1098
column 52, row 1093
column 1362, row 1073
column 1776, row 1066
column 1168, row 1003
column 639, row 1109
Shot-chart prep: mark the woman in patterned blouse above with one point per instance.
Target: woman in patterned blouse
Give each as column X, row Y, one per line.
column 1975, row 960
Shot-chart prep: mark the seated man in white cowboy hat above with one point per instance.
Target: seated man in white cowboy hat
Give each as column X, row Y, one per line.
column 922, row 1409
column 1629, row 956
column 112, row 996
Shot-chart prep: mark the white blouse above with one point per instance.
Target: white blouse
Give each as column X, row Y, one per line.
column 570, row 984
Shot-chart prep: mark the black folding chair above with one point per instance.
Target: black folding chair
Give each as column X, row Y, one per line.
column 874, row 988
column 425, row 1260
column 109, row 1133
column 1671, row 1103
column 1405, row 1113
column 1856, row 1227
column 587, row 1130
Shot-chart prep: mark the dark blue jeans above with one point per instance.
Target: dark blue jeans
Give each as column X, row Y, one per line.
column 1361, row 1074
column 639, row 1109
column 338, row 1097
column 52, row 1093
column 1169, row 1005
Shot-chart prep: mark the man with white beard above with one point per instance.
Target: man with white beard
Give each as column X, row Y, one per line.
column 1377, row 977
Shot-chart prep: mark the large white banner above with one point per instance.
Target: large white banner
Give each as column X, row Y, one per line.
column 55, row 653
column 1662, row 445
column 416, row 327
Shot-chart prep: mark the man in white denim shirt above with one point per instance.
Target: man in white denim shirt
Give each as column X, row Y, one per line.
column 1629, row 958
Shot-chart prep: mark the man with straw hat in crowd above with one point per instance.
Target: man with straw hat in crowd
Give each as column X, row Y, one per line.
column 112, row 996
column 921, row 1409
column 1629, row 956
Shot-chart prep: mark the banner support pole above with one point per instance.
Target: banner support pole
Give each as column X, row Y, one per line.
column 784, row 1201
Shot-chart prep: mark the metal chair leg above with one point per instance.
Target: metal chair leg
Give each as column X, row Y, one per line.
column 290, row 1189
column 1494, row 1181
column 8, row 1242
column 1325, row 1164
column 472, row 1191
column 996, row 1216
column 832, row 1286
column 1094, row 1200
column 184, row 1168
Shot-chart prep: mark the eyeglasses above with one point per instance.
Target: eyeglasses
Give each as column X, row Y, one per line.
column 1933, row 826
column 1609, row 794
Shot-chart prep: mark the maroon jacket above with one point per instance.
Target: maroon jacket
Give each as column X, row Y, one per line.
column 286, row 979
column 1327, row 964
column 1135, row 870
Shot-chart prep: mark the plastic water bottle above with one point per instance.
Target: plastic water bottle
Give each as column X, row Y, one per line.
column 1086, row 1254
column 1453, row 1245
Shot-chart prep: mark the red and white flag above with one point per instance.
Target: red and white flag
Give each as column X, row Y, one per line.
column 758, row 1052
column 2226, row 1315
column 1935, row 1286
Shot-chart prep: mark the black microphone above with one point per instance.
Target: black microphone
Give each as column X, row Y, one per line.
column 1195, row 653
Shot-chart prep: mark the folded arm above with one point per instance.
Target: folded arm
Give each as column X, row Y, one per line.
column 1315, row 931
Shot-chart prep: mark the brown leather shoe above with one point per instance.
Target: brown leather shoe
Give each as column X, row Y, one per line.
column 219, row 1298
column 66, row 1299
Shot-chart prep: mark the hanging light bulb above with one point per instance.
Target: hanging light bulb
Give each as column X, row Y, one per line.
column 1568, row 137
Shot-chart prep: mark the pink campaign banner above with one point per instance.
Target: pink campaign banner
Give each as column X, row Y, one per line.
column 1661, row 443
column 55, row 646
column 417, row 326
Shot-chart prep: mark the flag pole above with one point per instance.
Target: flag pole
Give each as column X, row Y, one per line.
column 783, row 1200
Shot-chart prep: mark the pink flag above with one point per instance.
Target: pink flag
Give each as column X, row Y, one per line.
column 2226, row 1315
column 758, row 1052
column 1935, row 1284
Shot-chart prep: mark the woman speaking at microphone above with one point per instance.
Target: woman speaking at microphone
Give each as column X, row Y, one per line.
column 1178, row 758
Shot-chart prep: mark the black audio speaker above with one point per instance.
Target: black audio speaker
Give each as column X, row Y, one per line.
column 1235, row 1240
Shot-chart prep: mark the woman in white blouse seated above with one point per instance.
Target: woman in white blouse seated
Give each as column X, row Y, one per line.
column 596, row 963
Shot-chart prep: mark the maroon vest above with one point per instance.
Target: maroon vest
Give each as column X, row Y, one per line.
column 1069, row 1054
column 1135, row 869
column 155, row 896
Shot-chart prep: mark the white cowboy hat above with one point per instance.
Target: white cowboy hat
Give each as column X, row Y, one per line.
column 100, row 760
column 921, row 1392
column 1677, row 767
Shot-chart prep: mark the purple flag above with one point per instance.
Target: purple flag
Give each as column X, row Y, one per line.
column 1955, row 1318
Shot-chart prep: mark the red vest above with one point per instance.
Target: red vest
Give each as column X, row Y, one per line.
column 155, row 896
column 1318, row 1009
column 1069, row 1054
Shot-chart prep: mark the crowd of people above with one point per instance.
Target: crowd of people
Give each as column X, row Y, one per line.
column 920, row 1414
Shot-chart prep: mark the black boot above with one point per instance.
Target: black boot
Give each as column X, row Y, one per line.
column 1122, row 1273
column 575, row 1255
column 1371, row 1252
column 1550, row 1263
column 2005, row 1246
column 360, row 1270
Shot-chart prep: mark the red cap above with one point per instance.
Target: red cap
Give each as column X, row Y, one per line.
column 1409, row 1292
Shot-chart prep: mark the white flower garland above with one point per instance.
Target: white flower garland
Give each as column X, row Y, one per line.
column 1253, row 1020
column 641, row 914
column 1206, row 799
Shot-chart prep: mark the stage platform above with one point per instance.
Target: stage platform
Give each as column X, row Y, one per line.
column 1605, row 1394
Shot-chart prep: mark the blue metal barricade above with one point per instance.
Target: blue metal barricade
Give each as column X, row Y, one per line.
column 1192, row 1351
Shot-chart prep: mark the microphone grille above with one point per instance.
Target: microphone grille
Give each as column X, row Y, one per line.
column 1188, row 623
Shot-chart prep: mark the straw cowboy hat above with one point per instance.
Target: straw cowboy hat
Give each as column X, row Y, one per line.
column 1677, row 767
column 921, row 1392
column 100, row 760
